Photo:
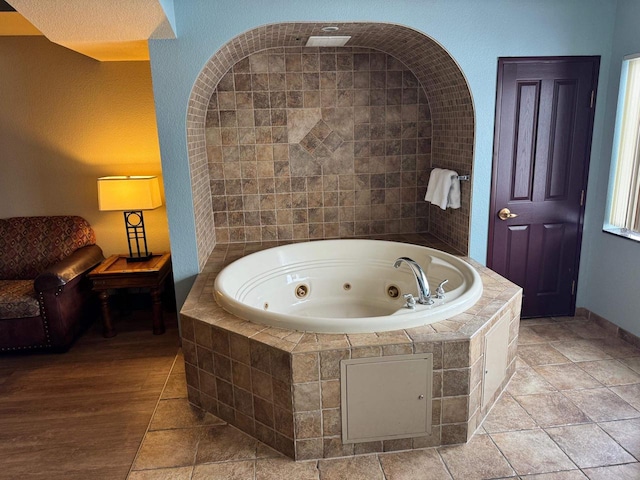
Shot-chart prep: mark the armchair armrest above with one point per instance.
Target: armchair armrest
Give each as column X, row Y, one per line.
column 61, row 273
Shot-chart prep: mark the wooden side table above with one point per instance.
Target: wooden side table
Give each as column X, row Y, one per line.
column 115, row 272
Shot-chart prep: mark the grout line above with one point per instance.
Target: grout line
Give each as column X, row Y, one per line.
column 544, row 429
column 506, row 459
column 317, row 468
column 446, row 467
column 384, row 475
column 591, row 420
column 616, row 441
column 155, row 408
column 538, row 427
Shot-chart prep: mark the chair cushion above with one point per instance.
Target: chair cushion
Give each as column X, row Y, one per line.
column 28, row 245
column 18, row 299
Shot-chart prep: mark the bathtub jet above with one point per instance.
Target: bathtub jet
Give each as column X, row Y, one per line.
column 346, row 286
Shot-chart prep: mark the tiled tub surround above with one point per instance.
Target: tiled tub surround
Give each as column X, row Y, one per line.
column 318, row 143
column 283, row 387
column 450, row 104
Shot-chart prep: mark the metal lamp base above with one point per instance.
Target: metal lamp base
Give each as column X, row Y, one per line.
column 142, row 258
column 136, row 236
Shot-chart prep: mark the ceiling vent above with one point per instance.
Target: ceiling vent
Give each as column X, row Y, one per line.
column 328, row 41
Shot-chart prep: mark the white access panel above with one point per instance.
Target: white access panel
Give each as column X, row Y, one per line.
column 386, row 397
column 496, row 345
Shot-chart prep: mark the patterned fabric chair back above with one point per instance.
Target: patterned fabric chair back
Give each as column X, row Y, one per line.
column 28, row 245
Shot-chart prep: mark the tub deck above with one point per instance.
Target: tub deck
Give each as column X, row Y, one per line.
column 283, row 386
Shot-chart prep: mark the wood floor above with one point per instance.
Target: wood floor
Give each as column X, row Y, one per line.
column 83, row 414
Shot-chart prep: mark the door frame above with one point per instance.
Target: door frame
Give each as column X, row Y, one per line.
column 494, row 159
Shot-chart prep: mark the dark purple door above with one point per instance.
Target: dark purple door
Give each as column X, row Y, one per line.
column 544, row 121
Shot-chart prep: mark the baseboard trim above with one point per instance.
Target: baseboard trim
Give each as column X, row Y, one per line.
column 609, row 326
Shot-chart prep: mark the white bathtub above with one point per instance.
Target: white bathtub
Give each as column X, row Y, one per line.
column 343, row 286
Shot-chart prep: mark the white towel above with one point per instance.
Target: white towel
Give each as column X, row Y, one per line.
column 443, row 189
column 454, row 192
column 438, row 188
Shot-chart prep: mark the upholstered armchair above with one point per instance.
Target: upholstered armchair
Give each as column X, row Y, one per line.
column 45, row 297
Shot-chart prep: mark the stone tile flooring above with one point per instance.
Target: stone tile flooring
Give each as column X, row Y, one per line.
column 571, row 411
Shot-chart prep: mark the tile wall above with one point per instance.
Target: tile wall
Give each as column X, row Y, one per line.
column 450, row 103
column 242, row 381
column 318, row 143
column 283, row 387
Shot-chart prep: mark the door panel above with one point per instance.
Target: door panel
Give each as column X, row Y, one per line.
column 562, row 122
column 552, row 253
column 544, row 119
column 524, row 139
column 518, row 246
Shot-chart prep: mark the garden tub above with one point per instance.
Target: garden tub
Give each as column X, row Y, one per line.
column 344, row 286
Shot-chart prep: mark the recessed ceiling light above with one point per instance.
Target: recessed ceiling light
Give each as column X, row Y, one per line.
column 328, row 41
column 330, row 29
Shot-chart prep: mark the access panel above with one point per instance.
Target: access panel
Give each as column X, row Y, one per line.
column 386, row 397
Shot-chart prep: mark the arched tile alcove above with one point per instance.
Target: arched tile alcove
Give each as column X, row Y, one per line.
column 443, row 82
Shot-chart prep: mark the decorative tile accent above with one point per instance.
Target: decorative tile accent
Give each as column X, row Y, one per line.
column 360, row 132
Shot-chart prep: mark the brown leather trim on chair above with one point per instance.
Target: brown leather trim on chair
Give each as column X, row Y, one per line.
column 23, row 334
column 66, row 270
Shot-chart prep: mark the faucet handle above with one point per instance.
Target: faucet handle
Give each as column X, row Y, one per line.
column 411, row 302
column 440, row 290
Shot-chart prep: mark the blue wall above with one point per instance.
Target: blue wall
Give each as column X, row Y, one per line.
column 167, row 6
column 610, row 267
column 475, row 32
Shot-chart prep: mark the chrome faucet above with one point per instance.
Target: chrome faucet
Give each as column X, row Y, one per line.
column 424, row 295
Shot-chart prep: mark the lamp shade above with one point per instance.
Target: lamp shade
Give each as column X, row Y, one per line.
column 128, row 193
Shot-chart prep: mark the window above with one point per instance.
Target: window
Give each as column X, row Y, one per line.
column 624, row 196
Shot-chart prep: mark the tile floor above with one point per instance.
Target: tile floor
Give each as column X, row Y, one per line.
column 571, row 411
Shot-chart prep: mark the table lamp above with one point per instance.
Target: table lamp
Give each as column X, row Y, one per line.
column 132, row 195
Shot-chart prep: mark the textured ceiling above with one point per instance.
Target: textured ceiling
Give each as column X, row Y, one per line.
column 116, row 30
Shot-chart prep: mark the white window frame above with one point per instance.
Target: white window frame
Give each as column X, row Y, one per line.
column 623, row 204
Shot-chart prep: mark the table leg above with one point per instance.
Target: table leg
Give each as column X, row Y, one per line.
column 158, row 321
column 107, row 328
